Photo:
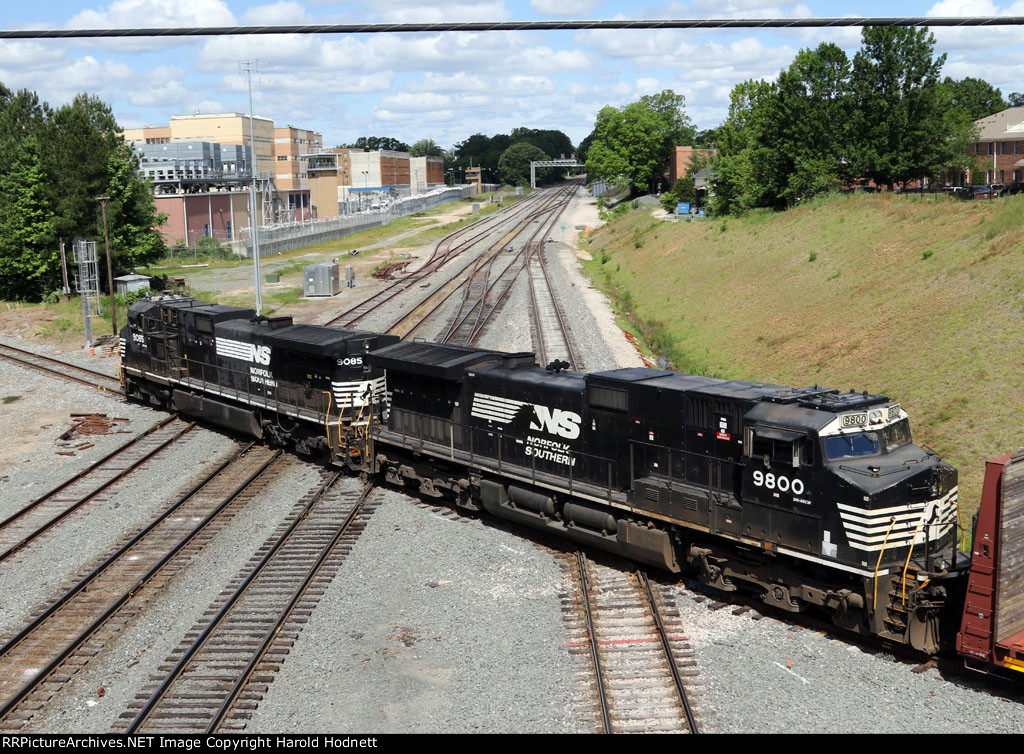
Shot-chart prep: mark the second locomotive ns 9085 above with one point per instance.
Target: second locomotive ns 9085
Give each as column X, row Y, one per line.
column 811, row 498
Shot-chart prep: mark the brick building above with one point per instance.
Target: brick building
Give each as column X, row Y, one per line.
column 679, row 164
column 999, row 148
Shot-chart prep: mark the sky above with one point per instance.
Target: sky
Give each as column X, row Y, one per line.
column 448, row 86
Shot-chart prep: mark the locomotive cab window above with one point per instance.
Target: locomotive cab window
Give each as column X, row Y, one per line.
column 874, row 442
column 779, row 446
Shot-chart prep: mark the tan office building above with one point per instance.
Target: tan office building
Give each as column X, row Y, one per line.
column 327, row 170
column 229, row 128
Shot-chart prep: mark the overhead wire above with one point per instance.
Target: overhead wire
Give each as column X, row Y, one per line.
column 483, row 26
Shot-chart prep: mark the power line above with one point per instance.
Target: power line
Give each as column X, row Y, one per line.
column 682, row 23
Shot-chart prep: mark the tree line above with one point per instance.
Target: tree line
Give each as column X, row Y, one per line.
column 54, row 164
column 826, row 121
column 506, row 157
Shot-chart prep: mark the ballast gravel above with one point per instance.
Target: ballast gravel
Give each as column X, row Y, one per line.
column 770, row 676
column 435, row 623
column 100, row 692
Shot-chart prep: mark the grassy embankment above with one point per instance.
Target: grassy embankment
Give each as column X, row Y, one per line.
column 921, row 300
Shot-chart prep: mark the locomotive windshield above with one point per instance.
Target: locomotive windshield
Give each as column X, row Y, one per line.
column 872, row 443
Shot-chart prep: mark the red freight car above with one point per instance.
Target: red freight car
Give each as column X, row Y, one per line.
column 991, row 637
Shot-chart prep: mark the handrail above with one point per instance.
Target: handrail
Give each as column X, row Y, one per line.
column 327, row 417
column 878, row 563
column 910, row 551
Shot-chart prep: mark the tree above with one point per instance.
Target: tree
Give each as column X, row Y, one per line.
column 682, row 191
column 584, row 148
column 554, row 143
column 132, row 218
column 375, row 143
column 481, row 151
column 974, row 97
column 425, row 148
column 634, row 143
column 514, row 164
column 1015, row 99
column 54, row 164
column 734, row 187
column 899, row 129
column 29, row 265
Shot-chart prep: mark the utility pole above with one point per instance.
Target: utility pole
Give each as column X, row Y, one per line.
column 254, row 225
column 110, row 268
column 64, row 271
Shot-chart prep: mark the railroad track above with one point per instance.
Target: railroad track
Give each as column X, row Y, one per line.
column 551, row 333
column 475, row 283
column 215, row 679
column 641, row 665
column 78, row 374
column 42, row 514
column 58, row 641
column 447, row 249
column 487, row 281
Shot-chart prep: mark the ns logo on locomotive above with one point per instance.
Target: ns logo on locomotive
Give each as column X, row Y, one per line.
column 812, row 498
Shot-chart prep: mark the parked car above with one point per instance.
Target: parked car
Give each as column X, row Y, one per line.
column 1017, row 187
column 984, row 192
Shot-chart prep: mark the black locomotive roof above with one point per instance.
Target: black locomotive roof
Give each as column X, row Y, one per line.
column 795, row 417
column 437, row 360
column 830, row 400
column 532, row 377
column 187, row 303
column 311, row 339
column 690, row 383
column 812, row 398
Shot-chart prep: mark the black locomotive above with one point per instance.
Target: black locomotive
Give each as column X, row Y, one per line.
column 298, row 385
column 810, row 497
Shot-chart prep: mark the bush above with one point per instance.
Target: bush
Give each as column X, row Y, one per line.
column 682, row 191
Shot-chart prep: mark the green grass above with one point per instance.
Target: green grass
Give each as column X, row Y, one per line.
column 917, row 299
column 63, row 320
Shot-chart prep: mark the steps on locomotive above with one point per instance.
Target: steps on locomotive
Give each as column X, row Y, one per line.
column 901, row 590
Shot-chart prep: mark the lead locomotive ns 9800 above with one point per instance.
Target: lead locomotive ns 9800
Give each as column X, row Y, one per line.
column 811, row 498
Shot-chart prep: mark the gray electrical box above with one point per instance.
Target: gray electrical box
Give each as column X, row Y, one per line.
column 321, row 280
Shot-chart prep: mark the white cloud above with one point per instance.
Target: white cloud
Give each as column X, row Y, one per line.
column 564, row 8
column 155, row 13
column 437, row 11
column 975, row 38
column 30, row 55
column 283, row 12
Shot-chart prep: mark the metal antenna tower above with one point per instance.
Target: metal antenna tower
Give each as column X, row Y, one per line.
column 88, row 284
column 250, row 67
